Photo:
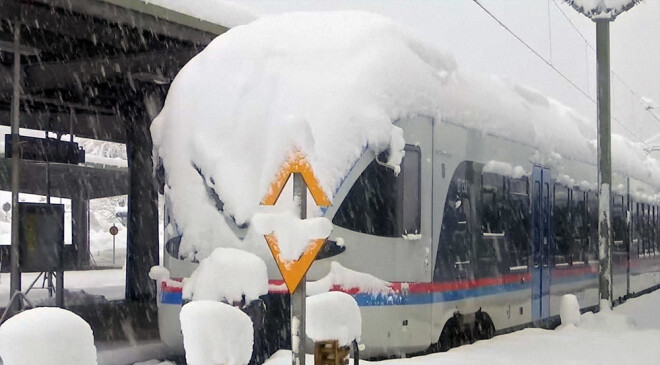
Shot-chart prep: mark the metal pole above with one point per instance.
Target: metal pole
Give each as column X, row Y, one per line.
column 15, row 272
column 604, row 161
column 113, row 250
column 298, row 298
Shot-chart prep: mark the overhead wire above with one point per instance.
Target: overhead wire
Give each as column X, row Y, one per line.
column 549, row 64
column 586, row 41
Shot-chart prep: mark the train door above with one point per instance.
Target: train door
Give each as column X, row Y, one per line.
column 541, row 242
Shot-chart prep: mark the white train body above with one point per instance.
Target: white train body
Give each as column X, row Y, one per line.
column 521, row 234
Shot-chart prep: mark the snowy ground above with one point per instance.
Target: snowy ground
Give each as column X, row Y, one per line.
column 109, row 283
column 628, row 335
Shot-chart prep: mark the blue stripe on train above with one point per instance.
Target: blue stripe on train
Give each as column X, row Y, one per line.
column 171, row 298
column 371, row 300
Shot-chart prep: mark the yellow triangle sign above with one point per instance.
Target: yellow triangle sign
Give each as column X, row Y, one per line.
column 294, row 270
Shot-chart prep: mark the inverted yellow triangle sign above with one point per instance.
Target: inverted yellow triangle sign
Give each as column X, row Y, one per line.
column 294, row 270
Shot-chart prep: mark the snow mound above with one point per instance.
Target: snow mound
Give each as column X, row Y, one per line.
column 237, row 110
column 227, row 275
column 293, row 234
column 569, row 311
column 47, row 336
column 347, row 279
column 607, row 320
column 216, row 333
column 333, row 316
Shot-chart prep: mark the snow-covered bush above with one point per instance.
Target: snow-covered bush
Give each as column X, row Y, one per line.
column 51, row 336
column 333, row 316
column 227, row 275
column 215, row 333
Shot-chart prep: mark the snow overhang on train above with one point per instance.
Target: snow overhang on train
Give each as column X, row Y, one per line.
column 280, row 83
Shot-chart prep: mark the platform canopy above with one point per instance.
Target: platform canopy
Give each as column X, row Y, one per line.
column 80, row 57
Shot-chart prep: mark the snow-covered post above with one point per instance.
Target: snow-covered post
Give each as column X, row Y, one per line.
column 298, row 296
column 602, row 14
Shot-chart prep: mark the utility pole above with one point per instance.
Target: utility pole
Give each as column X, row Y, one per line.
column 602, row 16
column 604, row 161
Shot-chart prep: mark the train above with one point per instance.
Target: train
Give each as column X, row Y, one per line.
column 488, row 220
column 473, row 241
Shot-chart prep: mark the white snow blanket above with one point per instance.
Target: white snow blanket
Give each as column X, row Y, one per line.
column 227, row 275
column 331, row 84
column 333, row 316
column 47, row 335
column 216, row 333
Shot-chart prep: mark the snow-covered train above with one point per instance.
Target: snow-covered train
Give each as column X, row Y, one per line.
column 488, row 219
column 472, row 238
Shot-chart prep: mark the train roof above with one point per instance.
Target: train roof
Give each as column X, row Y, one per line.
column 331, row 84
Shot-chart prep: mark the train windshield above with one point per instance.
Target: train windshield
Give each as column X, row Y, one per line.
column 382, row 203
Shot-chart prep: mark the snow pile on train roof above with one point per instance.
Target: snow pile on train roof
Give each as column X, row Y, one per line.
column 333, row 316
column 225, row 13
column 330, row 84
column 227, row 275
column 47, row 336
column 216, row 333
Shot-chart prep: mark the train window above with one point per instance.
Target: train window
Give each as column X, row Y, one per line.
column 563, row 226
column 580, row 234
column 517, row 223
column 410, row 197
column 492, row 247
column 619, row 226
column 455, row 256
column 384, row 204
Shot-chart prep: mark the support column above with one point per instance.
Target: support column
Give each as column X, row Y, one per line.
column 80, row 230
column 142, row 220
column 604, row 161
column 15, row 270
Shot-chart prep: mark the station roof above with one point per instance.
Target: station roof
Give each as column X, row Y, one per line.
column 79, row 59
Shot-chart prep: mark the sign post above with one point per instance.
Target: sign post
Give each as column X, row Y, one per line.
column 293, row 272
column 113, row 232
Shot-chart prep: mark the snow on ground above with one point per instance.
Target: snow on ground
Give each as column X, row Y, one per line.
column 629, row 335
column 47, row 336
column 216, row 333
column 109, row 283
